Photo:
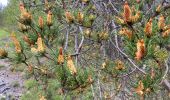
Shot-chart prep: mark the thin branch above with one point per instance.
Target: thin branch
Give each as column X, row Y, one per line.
column 66, row 42
column 124, row 54
column 166, row 70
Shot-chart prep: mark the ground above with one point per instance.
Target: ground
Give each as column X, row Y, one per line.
column 11, row 82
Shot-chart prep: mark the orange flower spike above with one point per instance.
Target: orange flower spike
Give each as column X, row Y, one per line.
column 41, row 22
column 49, row 18
column 80, row 16
column 69, row 17
column 140, row 49
column 71, row 66
column 140, row 88
column 127, row 12
column 60, row 59
column 16, row 43
column 161, row 22
column 148, row 28
column 27, row 40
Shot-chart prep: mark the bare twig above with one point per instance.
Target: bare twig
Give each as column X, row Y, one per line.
column 166, row 84
column 66, row 42
column 124, row 54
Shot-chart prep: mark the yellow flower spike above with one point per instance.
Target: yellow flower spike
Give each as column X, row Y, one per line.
column 148, row 28
column 85, row 1
column 22, row 27
column 119, row 65
column 49, row 18
column 166, row 27
column 3, row 53
column 104, row 65
column 136, row 17
column 71, row 66
column 87, row 32
column 41, row 22
column 158, row 9
column 125, row 31
column 127, row 12
column 80, row 17
column 140, row 88
column 40, row 44
column 166, row 33
column 60, row 59
column 16, row 43
column 25, row 15
column 33, row 49
column 69, row 17
column 161, row 22
column 140, row 49
column 120, row 21
column 42, row 98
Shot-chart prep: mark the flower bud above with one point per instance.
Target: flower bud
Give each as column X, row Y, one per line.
column 69, row 17
column 18, row 48
column 139, row 89
column 166, row 33
column 22, row 27
column 127, row 12
column 3, row 53
column 158, row 9
column 41, row 22
column 148, row 28
column 85, row 1
column 40, row 44
column 27, row 40
column 140, row 49
column 71, row 66
column 161, row 22
column 136, row 18
column 49, row 18
column 80, row 17
column 125, row 31
column 119, row 65
column 60, row 59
